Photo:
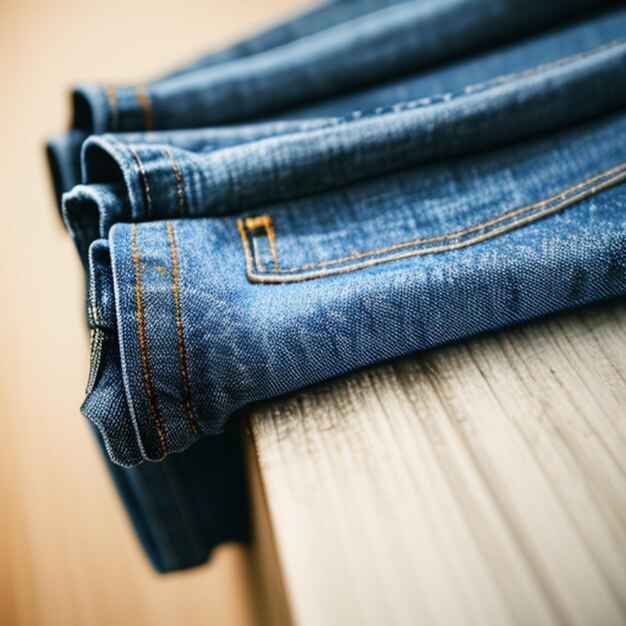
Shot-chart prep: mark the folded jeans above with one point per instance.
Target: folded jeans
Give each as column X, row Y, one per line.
column 203, row 317
column 426, row 189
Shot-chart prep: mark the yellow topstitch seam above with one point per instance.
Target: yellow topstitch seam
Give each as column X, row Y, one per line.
column 180, row 190
column 146, row 107
column 254, row 222
column 465, row 231
column 182, row 356
column 144, row 181
column 109, row 91
column 617, row 174
column 143, row 346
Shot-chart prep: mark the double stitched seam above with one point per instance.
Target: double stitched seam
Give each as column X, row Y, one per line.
column 144, row 181
column 182, row 355
column 477, row 87
column 467, row 90
column 147, row 376
column 585, row 188
column 146, row 107
column 180, row 190
column 111, row 96
column 466, row 231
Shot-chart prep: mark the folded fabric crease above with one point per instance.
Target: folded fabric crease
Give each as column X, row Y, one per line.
column 366, row 180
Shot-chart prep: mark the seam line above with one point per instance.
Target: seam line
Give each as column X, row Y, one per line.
column 111, row 96
column 617, row 174
column 471, row 89
column 465, row 231
column 146, row 107
column 144, row 181
column 182, row 355
column 180, row 190
column 265, row 222
column 542, row 67
column 147, row 377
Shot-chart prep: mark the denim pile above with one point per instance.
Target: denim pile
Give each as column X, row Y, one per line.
column 368, row 179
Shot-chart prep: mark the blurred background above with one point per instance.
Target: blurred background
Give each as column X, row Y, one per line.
column 68, row 553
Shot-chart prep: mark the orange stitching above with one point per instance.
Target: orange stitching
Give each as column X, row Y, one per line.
column 184, row 372
column 144, row 180
column 246, row 249
column 112, row 100
column 270, row 234
column 146, row 107
column 564, row 203
column 253, row 223
column 180, row 191
column 465, row 231
column 257, row 256
column 147, row 378
column 265, row 221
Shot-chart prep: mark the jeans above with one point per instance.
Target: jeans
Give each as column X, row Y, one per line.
column 342, row 46
column 412, row 192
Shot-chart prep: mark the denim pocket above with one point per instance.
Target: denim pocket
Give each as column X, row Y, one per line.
column 432, row 210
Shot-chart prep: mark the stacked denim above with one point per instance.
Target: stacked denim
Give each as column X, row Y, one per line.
column 370, row 179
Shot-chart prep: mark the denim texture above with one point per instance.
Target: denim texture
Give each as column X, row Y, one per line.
column 351, row 44
column 64, row 150
column 371, row 47
column 412, row 192
column 274, row 302
column 184, row 506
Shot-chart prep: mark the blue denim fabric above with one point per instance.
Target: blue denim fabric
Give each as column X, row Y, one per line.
column 458, row 199
column 64, row 150
column 295, row 292
column 555, row 81
column 185, row 506
column 394, row 40
column 552, row 46
column 349, row 44
column 308, row 23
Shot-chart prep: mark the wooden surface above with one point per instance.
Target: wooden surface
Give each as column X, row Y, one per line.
column 67, row 553
column 483, row 483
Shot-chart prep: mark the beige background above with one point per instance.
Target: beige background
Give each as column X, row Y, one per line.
column 67, row 552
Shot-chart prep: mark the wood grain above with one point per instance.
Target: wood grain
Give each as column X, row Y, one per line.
column 482, row 483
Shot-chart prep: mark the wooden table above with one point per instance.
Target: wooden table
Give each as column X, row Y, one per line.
column 482, row 483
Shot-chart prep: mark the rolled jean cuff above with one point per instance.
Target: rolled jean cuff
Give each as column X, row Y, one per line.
column 204, row 317
column 242, row 168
